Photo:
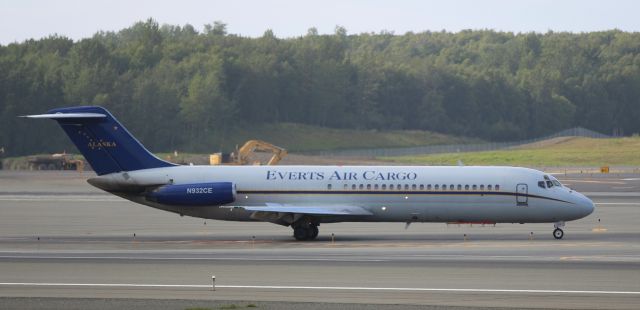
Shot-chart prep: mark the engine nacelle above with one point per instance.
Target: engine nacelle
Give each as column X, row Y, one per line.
column 197, row 194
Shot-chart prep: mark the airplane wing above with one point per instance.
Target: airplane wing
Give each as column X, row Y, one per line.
column 310, row 210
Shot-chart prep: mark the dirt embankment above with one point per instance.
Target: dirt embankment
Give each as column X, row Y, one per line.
column 544, row 143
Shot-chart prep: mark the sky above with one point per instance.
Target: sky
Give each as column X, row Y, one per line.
column 33, row 19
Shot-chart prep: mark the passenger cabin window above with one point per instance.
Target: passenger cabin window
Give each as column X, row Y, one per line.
column 375, row 187
column 384, row 186
column 368, row 186
column 421, row 186
column 466, row 187
column 406, row 187
column 413, row 187
column 474, row 187
column 482, row 187
column 451, row 187
column 437, row 186
column 489, row 187
column 390, row 186
column 345, row 186
column 329, row 186
column 459, row 187
column 360, row 186
column 497, row 187
column 444, row 187
column 399, row 187
column 353, row 187
column 428, row 187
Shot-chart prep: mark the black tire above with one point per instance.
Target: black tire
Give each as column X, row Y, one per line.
column 300, row 233
column 558, row 233
column 313, row 232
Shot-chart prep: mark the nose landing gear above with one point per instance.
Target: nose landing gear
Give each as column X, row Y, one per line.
column 558, row 233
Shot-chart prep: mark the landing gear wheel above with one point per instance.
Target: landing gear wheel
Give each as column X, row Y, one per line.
column 313, row 232
column 300, row 233
column 305, row 230
column 558, row 233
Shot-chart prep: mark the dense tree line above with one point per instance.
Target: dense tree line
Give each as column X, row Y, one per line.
column 175, row 87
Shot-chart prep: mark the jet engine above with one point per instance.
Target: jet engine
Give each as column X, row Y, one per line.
column 197, row 194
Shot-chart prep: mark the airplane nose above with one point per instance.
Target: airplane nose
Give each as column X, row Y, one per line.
column 587, row 205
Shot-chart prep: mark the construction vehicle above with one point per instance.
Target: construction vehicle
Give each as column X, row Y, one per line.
column 62, row 161
column 245, row 155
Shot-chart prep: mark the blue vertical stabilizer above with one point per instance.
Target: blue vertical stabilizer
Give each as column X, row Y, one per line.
column 103, row 141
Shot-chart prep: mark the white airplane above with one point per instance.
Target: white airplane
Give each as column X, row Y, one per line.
column 303, row 197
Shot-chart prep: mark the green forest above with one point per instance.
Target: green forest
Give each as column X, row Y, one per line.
column 175, row 87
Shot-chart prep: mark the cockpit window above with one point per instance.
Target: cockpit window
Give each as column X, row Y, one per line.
column 547, row 180
column 551, row 181
column 541, row 184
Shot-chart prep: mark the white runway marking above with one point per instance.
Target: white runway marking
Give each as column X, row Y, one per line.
column 614, row 194
column 618, row 203
column 195, row 258
column 384, row 258
column 67, row 198
column 328, row 288
column 593, row 181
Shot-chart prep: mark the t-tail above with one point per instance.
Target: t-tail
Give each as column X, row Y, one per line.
column 104, row 142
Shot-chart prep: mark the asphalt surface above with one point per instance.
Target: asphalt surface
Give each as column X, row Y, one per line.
column 66, row 245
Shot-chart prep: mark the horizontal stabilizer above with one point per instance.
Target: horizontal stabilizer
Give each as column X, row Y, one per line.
column 311, row 210
column 66, row 115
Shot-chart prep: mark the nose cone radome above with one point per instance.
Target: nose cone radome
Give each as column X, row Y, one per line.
column 586, row 205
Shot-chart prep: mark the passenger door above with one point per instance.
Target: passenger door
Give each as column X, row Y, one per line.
column 522, row 191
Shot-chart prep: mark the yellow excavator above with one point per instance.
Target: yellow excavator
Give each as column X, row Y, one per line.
column 243, row 155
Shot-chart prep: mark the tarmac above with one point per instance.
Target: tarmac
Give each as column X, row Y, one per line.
column 67, row 245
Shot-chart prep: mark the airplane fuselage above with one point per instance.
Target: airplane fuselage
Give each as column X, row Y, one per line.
column 389, row 193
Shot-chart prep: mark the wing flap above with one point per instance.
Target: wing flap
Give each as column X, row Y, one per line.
column 310, row 210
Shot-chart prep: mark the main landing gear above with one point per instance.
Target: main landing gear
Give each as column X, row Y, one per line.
column 305, row 230
column 558, row 233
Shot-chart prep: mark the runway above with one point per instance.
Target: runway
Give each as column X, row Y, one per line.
column 61, row 238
